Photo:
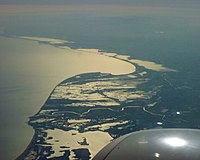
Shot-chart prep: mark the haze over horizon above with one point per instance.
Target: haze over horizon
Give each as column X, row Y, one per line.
column 167, row 3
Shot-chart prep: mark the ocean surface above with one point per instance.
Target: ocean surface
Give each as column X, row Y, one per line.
column 167, row 36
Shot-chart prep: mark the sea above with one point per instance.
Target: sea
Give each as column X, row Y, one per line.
column 165, row 35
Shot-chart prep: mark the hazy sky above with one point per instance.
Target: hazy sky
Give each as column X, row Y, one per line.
column 170, row 3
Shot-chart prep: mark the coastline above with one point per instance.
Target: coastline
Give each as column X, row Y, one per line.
column 37, row 54
column 55, row 62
